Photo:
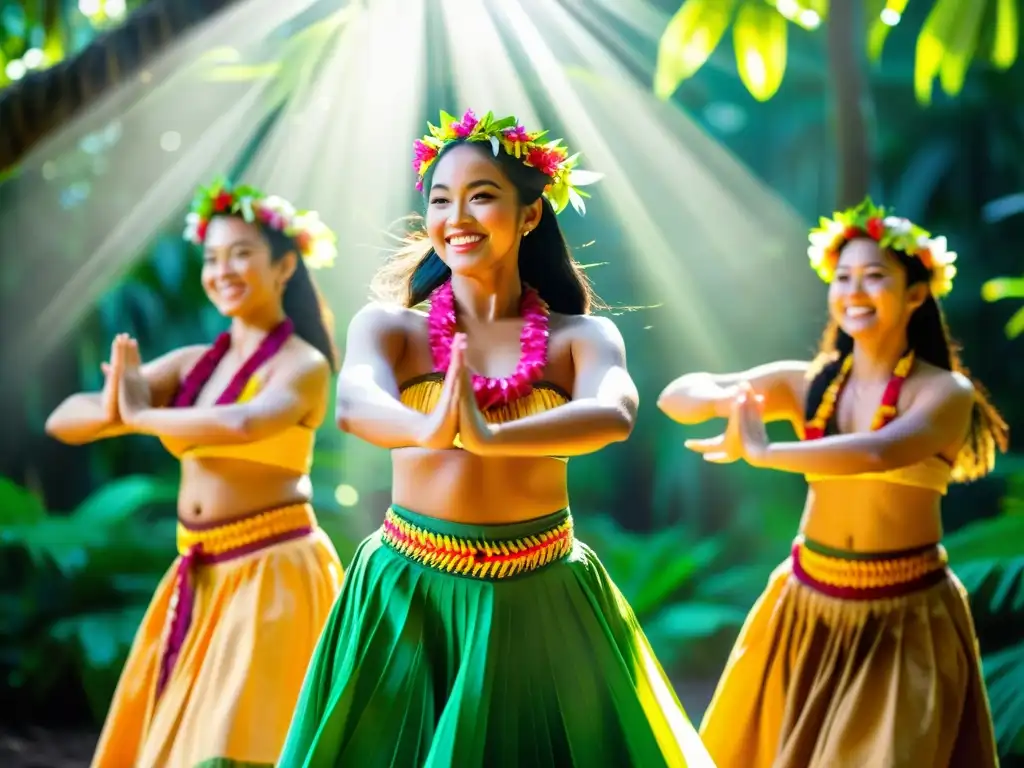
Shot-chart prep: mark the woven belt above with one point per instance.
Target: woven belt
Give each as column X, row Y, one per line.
column 869, row 578
column 478, row 558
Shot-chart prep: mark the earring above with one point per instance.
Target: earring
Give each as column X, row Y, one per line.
column 527, row 232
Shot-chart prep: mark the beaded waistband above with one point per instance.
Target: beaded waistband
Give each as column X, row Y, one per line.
column 207, row 545
column 217, row 543
column 480, row 558
column 870, row 578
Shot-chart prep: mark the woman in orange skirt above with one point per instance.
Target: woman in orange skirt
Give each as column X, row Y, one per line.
column 862, row 651
column 216, row 667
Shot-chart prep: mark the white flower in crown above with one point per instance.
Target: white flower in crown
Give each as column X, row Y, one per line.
column 315, row 239
column 192, row 222
column 898, row 225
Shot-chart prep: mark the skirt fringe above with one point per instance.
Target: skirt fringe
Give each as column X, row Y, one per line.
column 823, row 682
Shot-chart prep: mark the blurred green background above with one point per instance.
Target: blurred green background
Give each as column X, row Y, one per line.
column 822, row 104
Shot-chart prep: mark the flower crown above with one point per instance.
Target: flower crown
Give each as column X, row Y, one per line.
column 869, row 220
column 314, row 239
column 550, row 158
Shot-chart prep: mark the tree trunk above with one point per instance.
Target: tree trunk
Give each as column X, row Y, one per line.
column 851, row 102
column 42, row 101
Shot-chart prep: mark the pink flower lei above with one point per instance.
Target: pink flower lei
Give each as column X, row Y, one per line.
column 533, row 344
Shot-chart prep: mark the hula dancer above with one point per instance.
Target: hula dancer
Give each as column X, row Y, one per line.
column 862, row 651
column 216, row 667
column 473, row 628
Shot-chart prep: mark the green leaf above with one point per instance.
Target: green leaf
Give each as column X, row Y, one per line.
column 1003, row 288
column 759, row 39
column 690, row 38
column 688, row 621
column 932, row 43
column 1007, row 32
column 123, row 498
column 1004, row 678
column 18, row 506
column 1015, row 326
column 995, row 537
column 961, row 45
column 878, row 30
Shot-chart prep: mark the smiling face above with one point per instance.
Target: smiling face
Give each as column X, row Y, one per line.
column 869, row 294
column 240, row 275
column 475, row 219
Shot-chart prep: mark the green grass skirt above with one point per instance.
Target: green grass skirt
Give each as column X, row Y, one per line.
column 422, row 667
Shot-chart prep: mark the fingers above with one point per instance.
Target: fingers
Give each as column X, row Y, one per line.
column 718, row 458
column 707, row 445
column 132, row 356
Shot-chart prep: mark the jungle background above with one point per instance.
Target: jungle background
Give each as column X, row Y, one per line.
column 919, row 102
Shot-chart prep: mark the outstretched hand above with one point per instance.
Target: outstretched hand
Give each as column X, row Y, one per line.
column 745, row 436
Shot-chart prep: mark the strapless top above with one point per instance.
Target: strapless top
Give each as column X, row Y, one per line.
column 933, row 474
column 422, row 393
column 291, row 449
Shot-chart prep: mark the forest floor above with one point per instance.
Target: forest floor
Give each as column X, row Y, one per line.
column 40, row 747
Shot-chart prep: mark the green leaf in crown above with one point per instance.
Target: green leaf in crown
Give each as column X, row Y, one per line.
column 551, row 158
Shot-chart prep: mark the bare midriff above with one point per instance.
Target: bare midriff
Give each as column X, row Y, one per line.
column 861, row 516
column 215, row 491
column 459, row 486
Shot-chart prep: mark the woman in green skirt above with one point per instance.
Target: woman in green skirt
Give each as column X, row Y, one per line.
column 473, row 629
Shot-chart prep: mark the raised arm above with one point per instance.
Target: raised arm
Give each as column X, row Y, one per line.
column 698, row 397
column 603, row 409
column 87, row 416
column 368, row 405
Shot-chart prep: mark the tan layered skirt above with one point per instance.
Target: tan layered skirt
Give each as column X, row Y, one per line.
column 854, row 664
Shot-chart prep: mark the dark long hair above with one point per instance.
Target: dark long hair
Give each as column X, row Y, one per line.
column 545, row 261
column 928, row 336
column 302, row 301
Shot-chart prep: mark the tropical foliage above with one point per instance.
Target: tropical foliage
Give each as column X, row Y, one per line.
column 954, row 34
column 87, row 532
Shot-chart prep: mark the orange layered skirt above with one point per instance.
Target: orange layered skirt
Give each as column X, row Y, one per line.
column 854, row 664
column 216, row 667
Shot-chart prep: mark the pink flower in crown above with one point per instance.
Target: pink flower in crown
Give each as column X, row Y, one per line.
column 544, row 160
column 517, row 135
column 422, row 153
column 465, row 126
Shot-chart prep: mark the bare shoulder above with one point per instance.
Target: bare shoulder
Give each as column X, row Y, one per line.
column 304, row 359
column 377, row 317
column 589, row 329
column 942, row 384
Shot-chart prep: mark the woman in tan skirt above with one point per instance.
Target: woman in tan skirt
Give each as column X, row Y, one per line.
column 861, row 651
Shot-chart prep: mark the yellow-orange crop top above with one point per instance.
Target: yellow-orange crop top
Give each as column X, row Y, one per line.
column 422, row 393
column 291, row 449
column 932, row 474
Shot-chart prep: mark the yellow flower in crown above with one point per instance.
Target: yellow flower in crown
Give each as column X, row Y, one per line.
column 551, row 158
column 894, row 232
column 314, row 239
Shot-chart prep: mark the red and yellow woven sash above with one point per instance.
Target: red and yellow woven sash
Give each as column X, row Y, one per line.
column 477, row 558
column 869, row 578
column 206, row 545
